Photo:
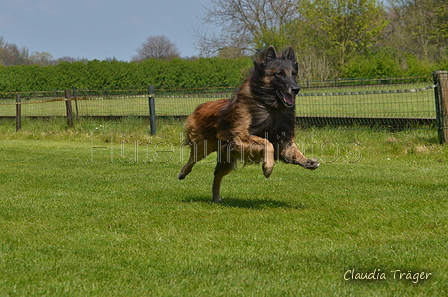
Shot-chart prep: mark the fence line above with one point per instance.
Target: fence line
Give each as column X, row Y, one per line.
column 371, row 92
column 393, row 103
column 215, row 96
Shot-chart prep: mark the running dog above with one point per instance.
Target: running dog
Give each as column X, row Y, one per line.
column 256, row 125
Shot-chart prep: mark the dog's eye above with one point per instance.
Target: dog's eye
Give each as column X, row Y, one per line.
column 281, row 73
column 294, row 73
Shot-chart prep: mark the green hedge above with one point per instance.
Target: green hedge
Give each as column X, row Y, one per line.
column 115, row 74
column 388, row 62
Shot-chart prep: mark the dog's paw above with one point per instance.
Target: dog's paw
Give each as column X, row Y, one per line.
column 311, row 164
column 267, row 170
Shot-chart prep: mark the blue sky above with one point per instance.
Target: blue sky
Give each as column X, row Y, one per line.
column 98, row 29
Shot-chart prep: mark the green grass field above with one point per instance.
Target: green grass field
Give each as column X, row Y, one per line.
column 97, row 211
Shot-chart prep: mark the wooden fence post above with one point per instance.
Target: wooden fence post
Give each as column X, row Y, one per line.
column 18, row 113
column 68, row 107
column 152, row 110
column 75, row 96
column 441, row 98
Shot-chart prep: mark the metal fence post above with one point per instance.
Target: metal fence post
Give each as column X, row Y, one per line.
column 68, row 107
column 18, row 113
column 152, row 110
column 441, row 98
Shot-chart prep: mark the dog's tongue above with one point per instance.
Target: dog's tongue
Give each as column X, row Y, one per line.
column 289, row 98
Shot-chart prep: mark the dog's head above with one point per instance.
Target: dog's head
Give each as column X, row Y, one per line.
column 274, row 78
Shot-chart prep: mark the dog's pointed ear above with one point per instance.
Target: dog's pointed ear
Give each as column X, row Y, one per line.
column 270, row 55
column 289, row 54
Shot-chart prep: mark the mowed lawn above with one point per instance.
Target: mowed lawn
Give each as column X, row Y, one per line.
column 80, row 216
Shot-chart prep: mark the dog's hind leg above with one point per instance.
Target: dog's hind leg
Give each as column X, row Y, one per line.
column 197, row 153
column 221, row 170
column 186, row 169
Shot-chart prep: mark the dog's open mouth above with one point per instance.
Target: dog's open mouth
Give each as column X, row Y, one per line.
column 288, row 99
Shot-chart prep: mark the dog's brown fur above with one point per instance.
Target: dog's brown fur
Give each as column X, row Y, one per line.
column 256, row 125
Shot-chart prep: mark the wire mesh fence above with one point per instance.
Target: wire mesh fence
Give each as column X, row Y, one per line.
column 131, row 102
column 395, row 104
column 377, row 101
column 384, row 102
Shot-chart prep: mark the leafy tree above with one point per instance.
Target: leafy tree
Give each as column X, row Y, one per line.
column 419, row 27
column 381, row 62
column 411, row 24
column 440, row 31
column 343, row 28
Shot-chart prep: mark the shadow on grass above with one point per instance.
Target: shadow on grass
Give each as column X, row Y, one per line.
column 249, row 204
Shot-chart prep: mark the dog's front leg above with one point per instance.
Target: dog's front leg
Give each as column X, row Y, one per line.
column 258, row 149
column 291, row 154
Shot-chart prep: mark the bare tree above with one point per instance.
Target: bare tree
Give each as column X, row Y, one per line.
column 69, row 59
column 242, row 24
column 314, row 67
column 41, row 58
column 1, row 49
column 11, row 54
column 157, row 47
